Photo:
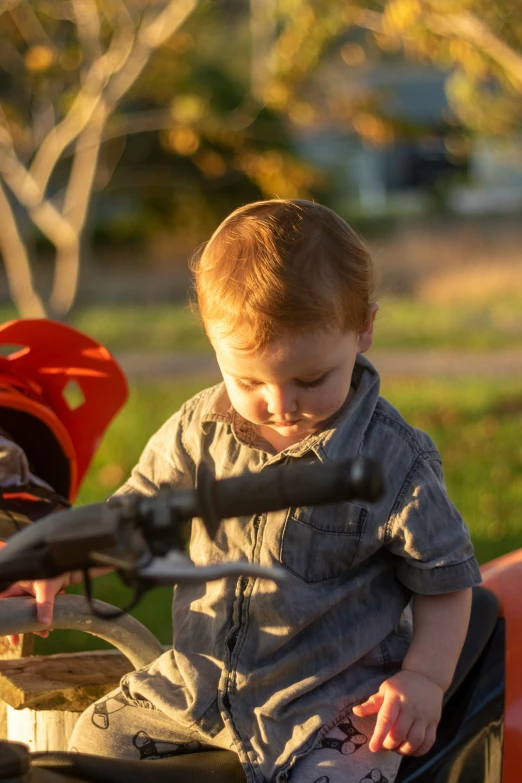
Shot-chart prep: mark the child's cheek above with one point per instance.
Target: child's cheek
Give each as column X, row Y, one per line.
column 250, row 406
column 327, row 404
column 257, row 409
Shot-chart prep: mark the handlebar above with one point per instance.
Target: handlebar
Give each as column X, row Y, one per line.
column 142, row 536
column 72, row 612
column 284, row 486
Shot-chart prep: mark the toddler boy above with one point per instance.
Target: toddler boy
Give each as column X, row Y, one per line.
column 323, row 678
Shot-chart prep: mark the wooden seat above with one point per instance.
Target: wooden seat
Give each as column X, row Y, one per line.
column 45, row 694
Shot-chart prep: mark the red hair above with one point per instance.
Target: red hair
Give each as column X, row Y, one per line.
column 282, row 266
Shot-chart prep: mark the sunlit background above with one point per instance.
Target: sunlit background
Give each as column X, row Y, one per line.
column 129, row 129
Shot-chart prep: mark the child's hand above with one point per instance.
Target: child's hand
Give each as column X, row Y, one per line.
column 44, row 590
column 409, row 707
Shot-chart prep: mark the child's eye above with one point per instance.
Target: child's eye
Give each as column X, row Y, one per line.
column 247, row 386
column 251, row 385
column 312, row 384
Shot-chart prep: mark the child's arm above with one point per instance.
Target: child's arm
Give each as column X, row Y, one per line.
column 409, row 704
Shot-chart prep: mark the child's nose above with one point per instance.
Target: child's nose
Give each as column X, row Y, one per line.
column 280, row 400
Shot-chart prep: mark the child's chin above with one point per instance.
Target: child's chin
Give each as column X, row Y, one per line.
column 299, row 429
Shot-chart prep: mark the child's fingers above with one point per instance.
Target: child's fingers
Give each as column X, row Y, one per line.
column 14, row 591
column 388, row 714
column 399, row 732
column 414, row 739
column 370, row 706
column 45, row 592
column 429, row 739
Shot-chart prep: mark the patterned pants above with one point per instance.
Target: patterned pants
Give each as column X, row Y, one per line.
column 119, row 728
column 343, row 756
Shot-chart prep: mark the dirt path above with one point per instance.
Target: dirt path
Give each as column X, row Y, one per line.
column 441, row 363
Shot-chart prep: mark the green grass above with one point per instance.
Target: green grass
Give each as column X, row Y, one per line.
column 411, row 324
column 401, row 324
column 159, row 328
column 139, row 328
column 475, row 424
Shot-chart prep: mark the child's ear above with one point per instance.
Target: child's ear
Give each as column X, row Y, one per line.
column 365, row 338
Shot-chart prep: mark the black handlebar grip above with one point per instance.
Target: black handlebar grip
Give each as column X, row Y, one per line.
column 281, row 487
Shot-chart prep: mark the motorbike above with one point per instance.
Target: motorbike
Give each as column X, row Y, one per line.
column 480, row 733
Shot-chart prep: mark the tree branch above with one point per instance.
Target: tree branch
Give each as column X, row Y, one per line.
column 17, row 266
column 87, row 20
column 107, row 80
column 84, row 165
column 470, row 28
column 150, row 36
column 81, row 111
column 26, row 190
column 463, row 26
column 29, row 25
column 8, row 5
column 262, row 36
column 83, row 169
column 75, row 208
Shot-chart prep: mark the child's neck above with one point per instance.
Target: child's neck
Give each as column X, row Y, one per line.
column 277, row 441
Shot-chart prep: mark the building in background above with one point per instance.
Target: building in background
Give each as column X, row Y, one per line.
column 429, row 163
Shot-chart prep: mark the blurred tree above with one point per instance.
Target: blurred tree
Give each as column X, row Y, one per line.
column 205, row 98
column 76, row 59
column 478, row 42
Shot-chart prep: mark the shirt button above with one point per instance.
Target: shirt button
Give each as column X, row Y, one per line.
column 244, row 583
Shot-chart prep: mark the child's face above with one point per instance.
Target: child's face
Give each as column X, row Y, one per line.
column 296, row 383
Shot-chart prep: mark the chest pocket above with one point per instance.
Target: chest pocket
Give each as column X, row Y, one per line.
column 321, row 543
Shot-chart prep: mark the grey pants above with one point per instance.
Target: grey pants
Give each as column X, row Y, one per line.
column 117, row 728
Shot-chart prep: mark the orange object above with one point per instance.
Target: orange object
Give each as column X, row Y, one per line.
column 503, row 577
column 59, row 390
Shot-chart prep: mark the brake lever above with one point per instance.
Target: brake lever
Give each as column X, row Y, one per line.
column 176, row 568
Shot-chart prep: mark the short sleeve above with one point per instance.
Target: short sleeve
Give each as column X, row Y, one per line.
column 164, row 460
column 428, row 535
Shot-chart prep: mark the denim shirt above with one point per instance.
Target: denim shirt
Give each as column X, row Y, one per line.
column 279, row 666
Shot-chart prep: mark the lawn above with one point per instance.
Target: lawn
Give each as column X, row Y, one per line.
column 415, row 324
column 401, row 324
column 475, row 424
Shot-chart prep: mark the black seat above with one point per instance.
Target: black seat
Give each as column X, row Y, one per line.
column 484, row 615
column 216, row 766
column 469, row 737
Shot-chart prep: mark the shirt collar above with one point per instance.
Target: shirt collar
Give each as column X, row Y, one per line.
column 341, row 435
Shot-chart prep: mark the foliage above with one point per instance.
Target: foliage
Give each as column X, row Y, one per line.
column 478, row 42
column 149, row 97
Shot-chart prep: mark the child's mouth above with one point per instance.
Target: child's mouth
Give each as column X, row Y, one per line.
column 285, row 423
